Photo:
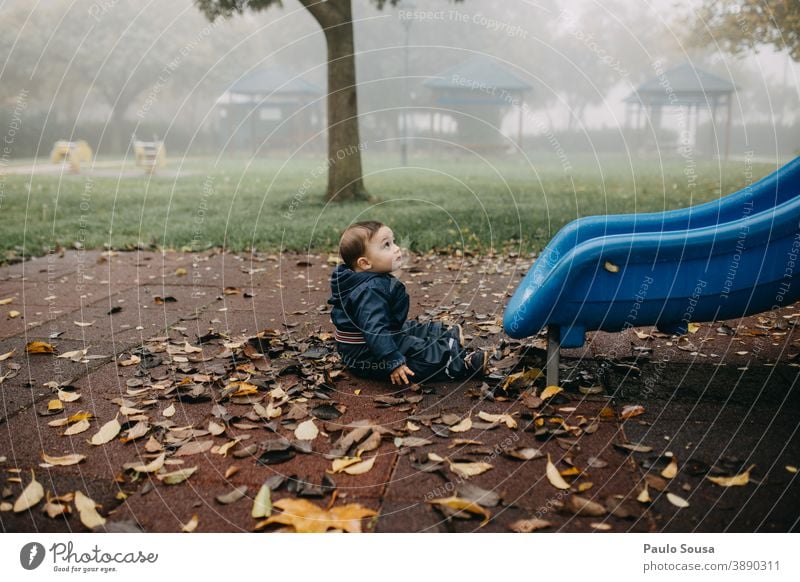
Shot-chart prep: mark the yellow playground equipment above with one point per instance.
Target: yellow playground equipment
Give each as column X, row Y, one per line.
column 150, row 154
column 73, row 152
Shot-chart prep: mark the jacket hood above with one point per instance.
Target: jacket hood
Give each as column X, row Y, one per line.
column 344, row 280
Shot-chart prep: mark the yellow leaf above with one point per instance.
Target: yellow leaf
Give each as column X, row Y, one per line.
column 13, row 313
column 467, row 470
column 339, row 465
column 181, row 272
column 459, row 504
column 306, row 517
column 6, row 355
column 77, row 428
column 505, row 418
column 791, row 468
column 677, row 501
column 176, row 476
column 6, row 301
column 152, row 466
column 55, row 405
column 30, row 496
column 462, row 426
column 549, row 392
column 555, row 478
column 522, row 378
column 39, row 348
column 88, row 511
column 360, row 468
column 670, row 470
column 735, row 481
column 631, row 411
column 644, row 496
column 693, row 328
column 262, row 504
column 107, row 432
column 306, row 431
column 73, row 459
column 192, row 524
column 611, row 267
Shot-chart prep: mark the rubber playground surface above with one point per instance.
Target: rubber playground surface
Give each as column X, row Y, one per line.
column 203, row 379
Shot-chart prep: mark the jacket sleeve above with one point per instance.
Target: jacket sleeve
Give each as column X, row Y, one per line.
column 372, row 317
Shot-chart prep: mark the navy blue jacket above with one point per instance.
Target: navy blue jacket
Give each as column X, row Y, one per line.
column 373, row 304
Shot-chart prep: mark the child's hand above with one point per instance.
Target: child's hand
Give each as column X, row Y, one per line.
column 400, row 374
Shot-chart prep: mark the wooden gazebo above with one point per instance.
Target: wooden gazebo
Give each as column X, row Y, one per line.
column 684, row 86
column 482, row 90
column 262, row 101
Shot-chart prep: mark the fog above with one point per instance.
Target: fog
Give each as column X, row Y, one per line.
column 106, row 71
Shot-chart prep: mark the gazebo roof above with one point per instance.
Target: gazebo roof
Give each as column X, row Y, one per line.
column 686, row 82
column 478, row 73
column 276, row 80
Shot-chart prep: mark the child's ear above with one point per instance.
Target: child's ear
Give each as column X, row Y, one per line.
column 363, row 264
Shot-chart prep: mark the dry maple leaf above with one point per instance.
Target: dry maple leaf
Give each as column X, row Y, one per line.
column 306, row 517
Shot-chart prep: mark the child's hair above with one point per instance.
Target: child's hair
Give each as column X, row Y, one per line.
column 353, row 243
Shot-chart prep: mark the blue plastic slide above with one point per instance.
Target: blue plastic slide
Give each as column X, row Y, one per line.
column 725, row 259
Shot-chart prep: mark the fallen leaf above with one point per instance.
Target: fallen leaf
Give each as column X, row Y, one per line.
column 677, row 501
column 176, row 476
column 693, row 327
column 583, row 507
column 88, row 511
column 504, row 418
column 39, row 348
column 463, row 426
column 735, row 481
column 194, row 448
column 670, row 470
column 74, row 355
column 611, row 267
column 306, row 431
column 83, row 323
column 529, row 525
column 644, row 496
column 600, row 526
column 549, row 392
column 6, row 355
column 66, row 460
column 6, row 301
column 467, row 470
column 107, row 432
column 13, row 314
column 65, row 396
column 169, row 411
column 555, row 478
column 77, row 428
column 30, row 496
column 232, row 496
column 635, row 447
column 631, row 411
column 306, row 517
column 152, row 466
column 262, row 504
column 459, row 505
column 361, row 467
column 190, row 525
column 791, row 468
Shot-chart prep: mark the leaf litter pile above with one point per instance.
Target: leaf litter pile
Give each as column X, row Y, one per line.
column 268, row 398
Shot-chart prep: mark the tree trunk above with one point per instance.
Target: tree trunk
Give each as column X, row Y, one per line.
column 345, row 180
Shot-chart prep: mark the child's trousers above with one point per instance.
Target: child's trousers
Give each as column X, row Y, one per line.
column 431, row 350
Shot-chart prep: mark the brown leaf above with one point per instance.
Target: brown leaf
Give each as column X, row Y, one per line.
column 459, row 506
column 462, row 426
column 631, row 411
column 39, row 348
column 176, row 476
column 194, row 448
column 306, row 517
column 550, row 391
column 583, row 507
column 232, row 496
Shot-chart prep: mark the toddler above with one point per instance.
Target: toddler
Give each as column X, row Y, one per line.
column 369, row 312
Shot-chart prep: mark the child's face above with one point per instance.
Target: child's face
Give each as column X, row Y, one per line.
column 382, row 254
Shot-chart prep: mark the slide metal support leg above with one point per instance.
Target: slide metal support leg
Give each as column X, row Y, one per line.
column 553, row 347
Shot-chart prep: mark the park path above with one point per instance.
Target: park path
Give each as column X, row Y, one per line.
column 222, row 340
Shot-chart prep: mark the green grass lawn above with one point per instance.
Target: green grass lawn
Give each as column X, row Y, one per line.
column 272, row 205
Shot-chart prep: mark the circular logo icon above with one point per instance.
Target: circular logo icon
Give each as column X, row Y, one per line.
column 31, row 555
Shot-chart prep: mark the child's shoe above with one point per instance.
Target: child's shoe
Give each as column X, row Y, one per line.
column 477, row 363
